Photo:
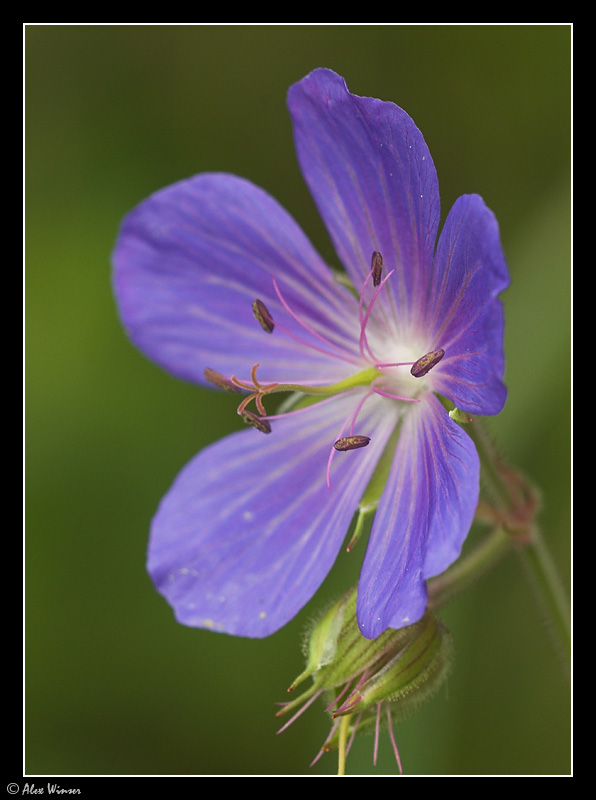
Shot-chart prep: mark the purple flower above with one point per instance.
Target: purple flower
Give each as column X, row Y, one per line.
column 253, row 524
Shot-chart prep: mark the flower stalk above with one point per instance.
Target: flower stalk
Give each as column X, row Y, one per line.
column 510, row 505
column 550, row 593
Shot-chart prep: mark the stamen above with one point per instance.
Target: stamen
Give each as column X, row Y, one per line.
column 257, row 422
column 351, row 442
column 427, row 362
column 376, row 390
column 341, row 440
column 376, row 267
column 261, row 313
column 218, row 380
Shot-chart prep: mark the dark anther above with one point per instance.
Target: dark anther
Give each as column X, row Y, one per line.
column 218, row 380
column 262, row 314
column 427, row 362
column 257, row 422
column 376, row 267
column 351, row 442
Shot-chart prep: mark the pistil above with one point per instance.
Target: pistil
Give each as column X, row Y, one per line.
column 259, row 391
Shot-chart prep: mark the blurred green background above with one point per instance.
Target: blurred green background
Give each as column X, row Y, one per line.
column 113, row 684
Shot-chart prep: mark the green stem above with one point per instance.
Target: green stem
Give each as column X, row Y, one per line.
column 551, row 594
column 468, row 568
column 498, row 490
column 341, row 747
column 512, row 508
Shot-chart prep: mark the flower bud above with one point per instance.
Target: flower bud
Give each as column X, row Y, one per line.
column 360, row 677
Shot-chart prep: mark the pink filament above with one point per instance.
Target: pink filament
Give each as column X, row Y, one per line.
column 363, row 340
column 309, row 408
column 332, row 453
column 364, row 319
column 308, row 328
column 376, row 390
column 343, row 427
column 396, row 364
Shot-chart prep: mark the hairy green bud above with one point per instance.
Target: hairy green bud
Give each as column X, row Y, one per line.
column 359, row 678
